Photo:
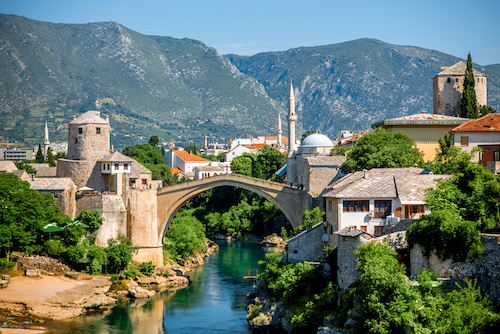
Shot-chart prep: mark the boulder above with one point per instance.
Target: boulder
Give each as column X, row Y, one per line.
column 140, row 292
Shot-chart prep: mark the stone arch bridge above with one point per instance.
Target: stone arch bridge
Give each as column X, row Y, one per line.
column 292, row 202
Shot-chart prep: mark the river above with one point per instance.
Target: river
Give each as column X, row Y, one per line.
column 213, row 303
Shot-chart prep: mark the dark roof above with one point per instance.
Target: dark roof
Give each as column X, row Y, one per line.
column 116, row 157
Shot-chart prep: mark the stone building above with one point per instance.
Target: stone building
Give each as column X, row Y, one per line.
column 62, row 188
column 447, row 87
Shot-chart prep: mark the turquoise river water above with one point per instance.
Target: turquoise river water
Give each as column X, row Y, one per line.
column 213, row 303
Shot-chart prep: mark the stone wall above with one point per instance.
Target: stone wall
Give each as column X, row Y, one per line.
column 91, row 144
column 83, row 173
column 347, row 261
column 306, row 246
column 113, row 212
column 486, row 269
column 142, row 225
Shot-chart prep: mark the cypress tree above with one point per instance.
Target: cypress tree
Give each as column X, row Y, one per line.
column 468, row 103
column 39, row 155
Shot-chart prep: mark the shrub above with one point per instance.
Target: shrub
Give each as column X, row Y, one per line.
column 119, row 255
column 54, row 247
column 253, row 311
column 147, row 268
column 186, row 237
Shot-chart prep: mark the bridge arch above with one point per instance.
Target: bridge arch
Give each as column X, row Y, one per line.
column 292, row 202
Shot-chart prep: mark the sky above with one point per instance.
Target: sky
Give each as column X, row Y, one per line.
column 456, row 27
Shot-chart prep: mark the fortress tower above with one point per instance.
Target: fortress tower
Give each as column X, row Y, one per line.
column 89, row 137
column 447, row 89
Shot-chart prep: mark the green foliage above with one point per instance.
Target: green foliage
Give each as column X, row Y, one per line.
column 313, row 216
column 384, row 300
column 50, row 157
column 144, row 153
column 193, row 149
column 261, row 165
column 54, row 248
column 381, row 148
column 185, row 237
column 163, row 172
column 39, row 155
column 340, row 151
column 91, row 218
column 485, row 110
column 147, row 268
column 23, row 165
column 6, row 265
column 153, row 141
column 468, row 102
column 461, row 207
column 253, row 311
column 119, row 255
column 23, row 212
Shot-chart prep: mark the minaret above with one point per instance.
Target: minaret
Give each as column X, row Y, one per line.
column 279, row 130
column 292, row 117
column 46, row 142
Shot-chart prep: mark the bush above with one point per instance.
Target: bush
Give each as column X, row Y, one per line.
column 54, row 247
column 119, row 255
column 147, row 268
column 185, row 237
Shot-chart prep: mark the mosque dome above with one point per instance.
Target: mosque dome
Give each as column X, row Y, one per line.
column 317, row 140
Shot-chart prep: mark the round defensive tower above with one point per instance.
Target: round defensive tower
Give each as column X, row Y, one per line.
column 89, row 137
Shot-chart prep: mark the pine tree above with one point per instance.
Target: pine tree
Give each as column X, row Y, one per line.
column 39, row 155
column 468, row 104
column 50, row 157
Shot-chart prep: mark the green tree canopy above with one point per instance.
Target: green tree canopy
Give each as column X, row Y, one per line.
column 23, row 212
column 485, row 110
column 193, row 149
column 50, row 157
column 261, row 165
column 468, row 102
column 39, row 155
column 153, row 141
column 381, row 148
column 144, row 153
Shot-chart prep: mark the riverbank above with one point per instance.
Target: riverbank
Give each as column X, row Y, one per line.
column 30, row 302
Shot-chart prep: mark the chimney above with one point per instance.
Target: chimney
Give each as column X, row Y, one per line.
column 365, row 174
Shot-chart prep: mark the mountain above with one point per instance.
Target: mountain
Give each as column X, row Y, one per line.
column 353, row 84
column 178, row 89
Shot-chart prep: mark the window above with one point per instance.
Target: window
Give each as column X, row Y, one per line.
column 378, row 231
column 481, row 156
column 448, row 80
column 330, row 206
column 496, row 155
column 363, row 228
column 117, row 166
column 414, row 211
column 125, row 166
column 456, row 80
column 76, row 140
column 464, row 141
column 358, row 206
column 80, row 131
column 98, row 131
column 382, row 208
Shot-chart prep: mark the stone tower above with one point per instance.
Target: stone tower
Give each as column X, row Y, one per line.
column 89, row 137
column 279, row 130
column 46, row 142
column 292, row 117
column 447, row 89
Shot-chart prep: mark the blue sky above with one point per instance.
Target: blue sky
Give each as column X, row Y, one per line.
column 252, row 26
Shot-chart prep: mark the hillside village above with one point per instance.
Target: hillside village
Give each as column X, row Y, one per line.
column 378, row 204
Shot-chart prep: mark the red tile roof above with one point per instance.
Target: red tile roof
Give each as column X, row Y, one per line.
column 487, row 123
column 259, row 146
column 175, row 170
column 186, row 156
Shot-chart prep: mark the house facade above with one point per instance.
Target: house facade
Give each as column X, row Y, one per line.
column 373, row 199
column 483, row 133
column 184, row 161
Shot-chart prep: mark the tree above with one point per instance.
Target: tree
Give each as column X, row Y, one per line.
column 381, row 148
column 153, row 141
column 50, row 158
column 144, row 153
column 39, row 155
column 23, row 212
column 193, row 149
column 243, row 164
column 307, row 133
column 261, row 165
column 485, row 110
column 164, row 173
column 23, row 165
column 340, row 151
column 468, row 102
column 60, row 155
column 91, row 218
